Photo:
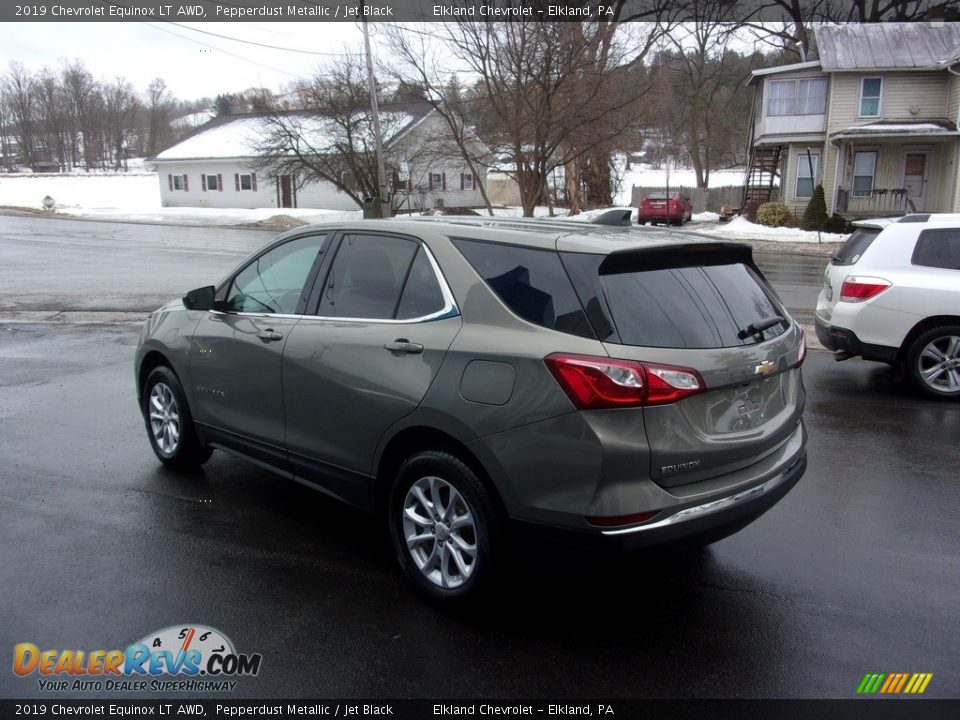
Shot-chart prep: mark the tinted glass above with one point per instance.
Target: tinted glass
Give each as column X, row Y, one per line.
column 421, row 294
column 274, row 281
column 853, row 249
column 939, row 249
column 675, row 307
column 531, row 282
column 367, row 276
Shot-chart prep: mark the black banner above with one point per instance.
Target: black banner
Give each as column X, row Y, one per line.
column 854, row 709
column 419, row 10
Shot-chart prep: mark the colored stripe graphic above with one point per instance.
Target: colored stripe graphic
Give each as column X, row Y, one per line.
column 894, row 683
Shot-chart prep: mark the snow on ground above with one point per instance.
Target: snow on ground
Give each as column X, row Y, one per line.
column 135, row 197
column 742, row 229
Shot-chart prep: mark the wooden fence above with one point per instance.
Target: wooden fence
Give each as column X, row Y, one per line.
column 703, row 199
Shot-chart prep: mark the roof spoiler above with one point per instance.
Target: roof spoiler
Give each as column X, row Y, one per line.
column 665, row 257
column 617, row 218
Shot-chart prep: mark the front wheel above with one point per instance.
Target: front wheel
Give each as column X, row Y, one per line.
column 445, row 529
column 933, row 362
column 170, row 427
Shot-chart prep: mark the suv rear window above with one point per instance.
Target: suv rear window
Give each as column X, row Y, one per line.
column 695, row 306
column 531, row 282
column 853, row 249
column 938, row 249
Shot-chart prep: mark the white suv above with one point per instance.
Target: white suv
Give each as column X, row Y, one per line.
column 892, row 294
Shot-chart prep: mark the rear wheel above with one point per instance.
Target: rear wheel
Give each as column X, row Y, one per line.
column 933, row 362
column 445, row 529
column 170, row 427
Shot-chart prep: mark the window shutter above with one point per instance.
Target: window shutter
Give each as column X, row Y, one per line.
column 253, row 181
column 203, row 182
column 219, row 182
column 396, row 182
column 443, row 182
column 236, row 181
column 461, row 181
column 170, row 180
column 186, row 188
column 410, row 183
column 430, row 175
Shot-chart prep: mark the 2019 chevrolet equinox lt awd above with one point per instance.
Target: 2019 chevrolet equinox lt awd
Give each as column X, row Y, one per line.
column 468, row 378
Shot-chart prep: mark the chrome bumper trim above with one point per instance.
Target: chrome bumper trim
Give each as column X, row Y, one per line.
column 697, row 511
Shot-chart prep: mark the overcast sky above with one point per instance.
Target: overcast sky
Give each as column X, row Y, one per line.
column 193, row 64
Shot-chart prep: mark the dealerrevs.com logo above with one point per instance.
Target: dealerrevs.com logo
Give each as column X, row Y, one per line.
column 186, row 658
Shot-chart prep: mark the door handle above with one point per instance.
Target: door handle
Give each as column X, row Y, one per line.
column 269, row 335
column 403, row 345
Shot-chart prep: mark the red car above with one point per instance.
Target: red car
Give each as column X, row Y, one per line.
column 674, row 208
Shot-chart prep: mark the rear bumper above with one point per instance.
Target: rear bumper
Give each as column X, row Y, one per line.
column 710, row 520
column 843, row 340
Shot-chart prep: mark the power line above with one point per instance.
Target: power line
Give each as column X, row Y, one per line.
column 263, row 45
column 225, row 52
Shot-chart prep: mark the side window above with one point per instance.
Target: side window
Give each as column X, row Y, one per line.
column 531, row 282
column 367, row 277
column 938, row 249
column 422, row 295
column 273, row 282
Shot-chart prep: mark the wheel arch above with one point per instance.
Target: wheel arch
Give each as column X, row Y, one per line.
column 150, row 362
column 425, row 437
column 921, row 327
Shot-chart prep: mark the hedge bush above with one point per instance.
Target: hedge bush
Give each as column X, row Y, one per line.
column 773, row 214
column 815, row 216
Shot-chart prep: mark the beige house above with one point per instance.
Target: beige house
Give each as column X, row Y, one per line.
column 874, row 120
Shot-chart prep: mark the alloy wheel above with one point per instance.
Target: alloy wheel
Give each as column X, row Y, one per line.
column 164, row 418
column 440, row 532
column 939, row 364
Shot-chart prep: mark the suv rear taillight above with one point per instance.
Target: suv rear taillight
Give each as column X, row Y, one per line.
column 593, row 383
column 858, row 289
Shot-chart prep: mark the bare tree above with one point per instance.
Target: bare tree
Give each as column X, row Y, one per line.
column 546, row 93
column 159, row 104
column 120, row 100
column 330, row 138
column 20, row 96
column 700, row 61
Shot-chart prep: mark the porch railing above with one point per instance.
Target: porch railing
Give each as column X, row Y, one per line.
column 879, row 200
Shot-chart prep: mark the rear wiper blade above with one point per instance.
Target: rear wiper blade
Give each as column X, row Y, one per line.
column 760, row 327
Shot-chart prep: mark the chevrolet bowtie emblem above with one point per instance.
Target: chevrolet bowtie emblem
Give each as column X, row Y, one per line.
column 764, row 368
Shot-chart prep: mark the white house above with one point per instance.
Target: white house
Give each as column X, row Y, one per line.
column 215, row 166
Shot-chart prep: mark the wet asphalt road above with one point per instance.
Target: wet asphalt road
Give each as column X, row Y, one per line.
column 857, row 570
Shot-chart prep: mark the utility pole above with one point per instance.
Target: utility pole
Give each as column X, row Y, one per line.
column 375, row 110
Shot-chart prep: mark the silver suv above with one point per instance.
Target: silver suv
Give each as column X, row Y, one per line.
column 475, row 380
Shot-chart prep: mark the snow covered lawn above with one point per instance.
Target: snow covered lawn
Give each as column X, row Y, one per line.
column 135, row 197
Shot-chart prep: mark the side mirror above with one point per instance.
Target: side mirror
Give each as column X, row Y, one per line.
column 201, row 298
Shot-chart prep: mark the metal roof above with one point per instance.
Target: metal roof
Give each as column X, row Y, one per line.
column 886, row 46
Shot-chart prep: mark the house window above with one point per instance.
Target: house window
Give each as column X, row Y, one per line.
column 466, row 181
column 212, row 183
column 245, row 182
column 870, row 97
column 806, row 176
column 179, row 182
column 436, row 181
column 804, row 96
column 864, row 170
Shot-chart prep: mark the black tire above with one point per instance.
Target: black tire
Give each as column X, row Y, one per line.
column 941, row 339
column 641, row 222
column 186, row 452
column 488, row 532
